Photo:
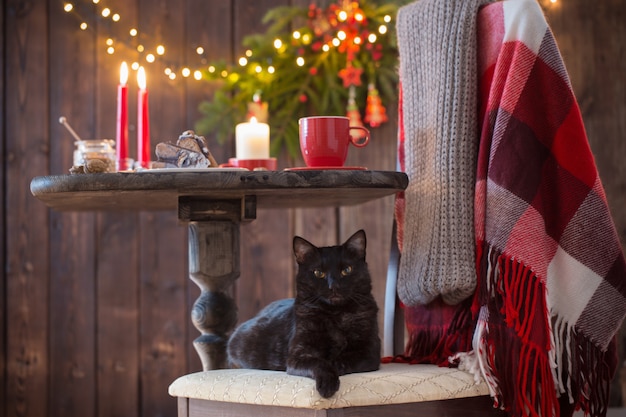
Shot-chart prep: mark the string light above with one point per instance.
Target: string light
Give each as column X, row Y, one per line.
column 279, row 45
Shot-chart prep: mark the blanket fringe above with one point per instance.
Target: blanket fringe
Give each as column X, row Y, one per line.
column 528, row 357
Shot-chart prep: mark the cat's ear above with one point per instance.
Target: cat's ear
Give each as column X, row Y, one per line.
column 302, row 249
column 356, row 243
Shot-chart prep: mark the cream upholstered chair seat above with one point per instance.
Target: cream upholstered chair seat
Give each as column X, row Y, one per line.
column 394, row 387
column 393, row 383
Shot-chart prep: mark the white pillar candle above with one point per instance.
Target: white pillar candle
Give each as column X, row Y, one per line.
column 252, row 140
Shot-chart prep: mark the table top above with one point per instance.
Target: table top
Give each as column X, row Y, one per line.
column 161, row 190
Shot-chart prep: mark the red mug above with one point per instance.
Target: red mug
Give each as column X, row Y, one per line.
column 252, row 164
column 324, row 140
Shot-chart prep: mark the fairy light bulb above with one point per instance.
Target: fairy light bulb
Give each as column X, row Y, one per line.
column 342, row 16
column 278, row 43
column 83, row 26
column 106, row 12
column 271, row 69
column 160, row 50
column 186, row 72
column 199, row 50
column 296, row 34
column 258, row 69
column 359, row 17
column 109, row 42
column 211, row 69
column 300, row 61
column 197, row 75
column 249, row 53
column 133, row 32
column 336, row 42
column 110, row 50
column 116, row 17
column 150, row 58
column 243, row 61
column 135, row 66
column 325, row 48
column 387, row 18
column 68, row 7
column 372, row 38
column 172, row 76
column 140, row 48
column 341, row 35
column 382, row 29
column 167, row 71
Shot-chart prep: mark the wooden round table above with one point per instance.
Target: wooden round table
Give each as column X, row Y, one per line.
column 213, row 202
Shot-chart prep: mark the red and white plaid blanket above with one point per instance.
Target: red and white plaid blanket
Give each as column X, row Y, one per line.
column 552, row 275
column 551, row 290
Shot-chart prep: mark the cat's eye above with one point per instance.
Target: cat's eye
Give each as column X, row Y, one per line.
column 346, row 271
column 319, row 273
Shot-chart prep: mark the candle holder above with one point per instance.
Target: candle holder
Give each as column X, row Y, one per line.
column 126, row 164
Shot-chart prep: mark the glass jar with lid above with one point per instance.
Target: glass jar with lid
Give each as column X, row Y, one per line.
column 95, row 155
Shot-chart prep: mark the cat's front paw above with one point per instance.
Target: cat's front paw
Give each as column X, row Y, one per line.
column 327, row 384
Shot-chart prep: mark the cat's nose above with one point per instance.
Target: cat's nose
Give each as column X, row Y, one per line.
column 331, row 282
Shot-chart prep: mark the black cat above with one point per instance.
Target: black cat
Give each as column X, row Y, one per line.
column 329, row 329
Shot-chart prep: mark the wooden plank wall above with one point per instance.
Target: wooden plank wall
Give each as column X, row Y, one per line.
column 94, row 306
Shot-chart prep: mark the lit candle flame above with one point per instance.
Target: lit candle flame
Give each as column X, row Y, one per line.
column 253, row 119
column 141, row 78
column 123, row 73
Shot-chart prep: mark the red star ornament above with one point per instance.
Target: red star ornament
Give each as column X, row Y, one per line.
column 351, row 76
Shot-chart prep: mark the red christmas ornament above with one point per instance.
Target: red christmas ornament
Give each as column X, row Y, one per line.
column 375, row 112
column 351, row 76
column 353, row 113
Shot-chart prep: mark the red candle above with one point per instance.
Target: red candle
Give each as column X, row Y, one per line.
column 122, row 118
column 143, row 121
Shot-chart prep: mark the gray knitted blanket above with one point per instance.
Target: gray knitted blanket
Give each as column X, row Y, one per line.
column 438, row 74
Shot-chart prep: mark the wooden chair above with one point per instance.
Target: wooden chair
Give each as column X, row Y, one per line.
column 395, row 389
